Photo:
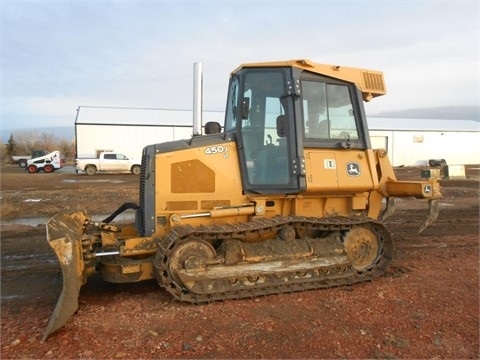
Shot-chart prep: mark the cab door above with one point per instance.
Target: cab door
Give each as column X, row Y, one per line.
column 263, row 121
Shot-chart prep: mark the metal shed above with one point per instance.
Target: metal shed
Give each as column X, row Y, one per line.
column 129, row 130
column 409, row 142
column 413, row 142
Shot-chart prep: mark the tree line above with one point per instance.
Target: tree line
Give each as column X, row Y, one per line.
column 24, row 142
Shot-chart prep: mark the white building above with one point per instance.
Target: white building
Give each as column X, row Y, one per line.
column 129, row 130
column 415, row 141
column 409, row 142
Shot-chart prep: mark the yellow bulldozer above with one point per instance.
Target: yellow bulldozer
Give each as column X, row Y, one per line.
column 287, row 196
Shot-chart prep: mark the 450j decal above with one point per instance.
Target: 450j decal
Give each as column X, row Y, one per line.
column 218, row 149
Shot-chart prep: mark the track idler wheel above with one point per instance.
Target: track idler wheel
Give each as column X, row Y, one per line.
column 189, row 256
column 364, row 248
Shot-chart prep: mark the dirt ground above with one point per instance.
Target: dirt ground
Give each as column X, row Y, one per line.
column 425, row 306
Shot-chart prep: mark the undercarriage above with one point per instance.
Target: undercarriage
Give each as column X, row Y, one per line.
column 270, row 256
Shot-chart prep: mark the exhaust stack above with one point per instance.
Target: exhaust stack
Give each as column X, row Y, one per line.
column 197, row 98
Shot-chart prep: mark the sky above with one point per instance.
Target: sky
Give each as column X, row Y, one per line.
column 58, row 55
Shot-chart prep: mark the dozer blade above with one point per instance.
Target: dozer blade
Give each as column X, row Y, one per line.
column 432, row 215
column 64, row 232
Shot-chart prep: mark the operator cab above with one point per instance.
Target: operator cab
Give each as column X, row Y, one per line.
column 276, row 112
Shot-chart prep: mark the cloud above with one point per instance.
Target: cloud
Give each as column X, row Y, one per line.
column 59, row 55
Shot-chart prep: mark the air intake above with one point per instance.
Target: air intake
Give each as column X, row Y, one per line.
column 373, row 82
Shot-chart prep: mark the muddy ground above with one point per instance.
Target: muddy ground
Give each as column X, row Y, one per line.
column 425, row 306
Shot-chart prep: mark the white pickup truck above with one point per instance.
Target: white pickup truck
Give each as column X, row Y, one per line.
column 108, row 162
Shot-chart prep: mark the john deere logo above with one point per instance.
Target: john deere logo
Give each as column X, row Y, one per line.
column 353, row 169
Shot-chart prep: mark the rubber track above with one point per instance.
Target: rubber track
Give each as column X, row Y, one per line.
column 179, row 234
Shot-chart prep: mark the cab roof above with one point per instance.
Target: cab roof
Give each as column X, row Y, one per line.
column 370, row 82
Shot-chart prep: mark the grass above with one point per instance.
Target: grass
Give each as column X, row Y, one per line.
column 7, row 207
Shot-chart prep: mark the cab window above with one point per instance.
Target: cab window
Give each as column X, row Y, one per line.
column 232, row 111
column 327, row 112
column 263, row 129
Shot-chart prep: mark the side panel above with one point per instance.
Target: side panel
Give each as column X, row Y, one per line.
column 197, row 177
column 344, row 171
